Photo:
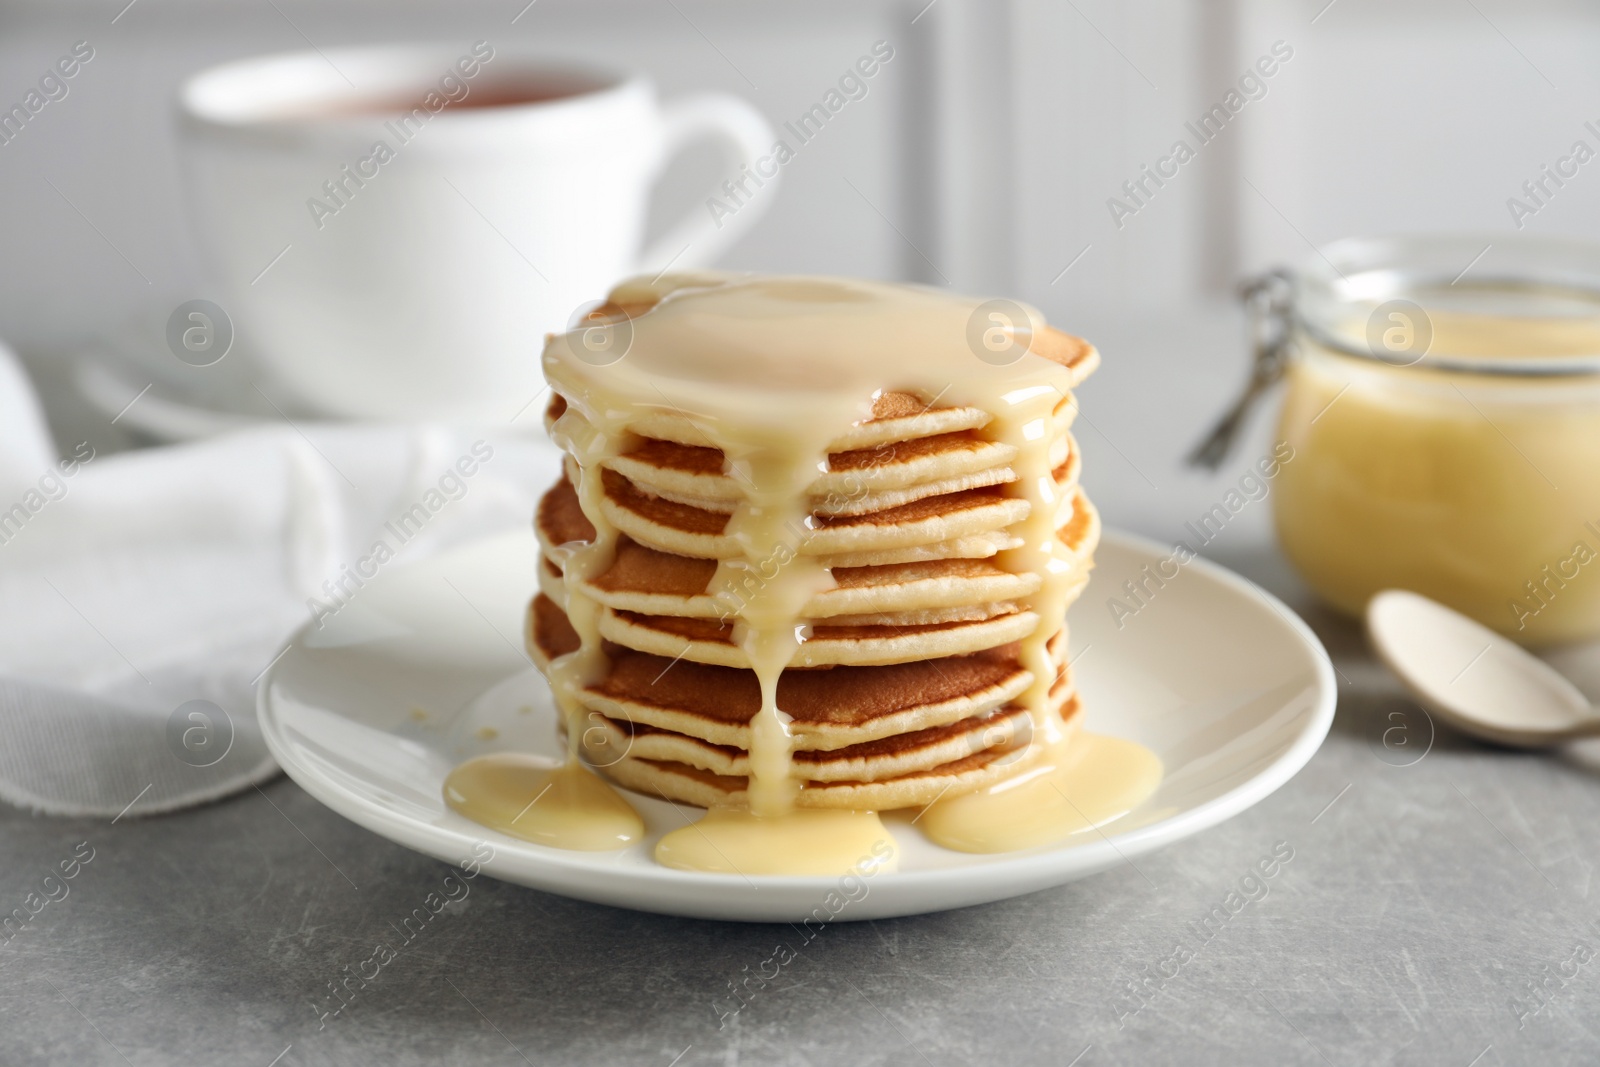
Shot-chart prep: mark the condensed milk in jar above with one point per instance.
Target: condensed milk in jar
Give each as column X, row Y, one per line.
column 1442, row 403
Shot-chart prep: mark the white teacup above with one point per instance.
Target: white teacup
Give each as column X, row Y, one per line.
column 399, row 226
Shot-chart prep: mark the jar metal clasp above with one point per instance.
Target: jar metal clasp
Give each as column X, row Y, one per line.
column 1268, row 299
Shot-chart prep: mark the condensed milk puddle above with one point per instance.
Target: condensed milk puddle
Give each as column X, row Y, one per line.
column 566, row 806
column 1084, row 783
column 805, row 841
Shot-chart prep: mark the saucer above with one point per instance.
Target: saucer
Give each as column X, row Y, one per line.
column 150, row 405
column 424, row 668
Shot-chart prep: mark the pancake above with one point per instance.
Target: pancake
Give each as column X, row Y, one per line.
column 893, row 416
column 683, row 782
column 634, row 296
column 869, row 761
column 857, row 482
column 690, row 531
column 657, row 583
column 863, row 480
column 645, row 581
column 974, row 546
column 710, row 641
column 560, row 520
column 687, row 530
column 829, row 708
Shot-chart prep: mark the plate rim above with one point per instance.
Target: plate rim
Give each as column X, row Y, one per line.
column 1045, row 867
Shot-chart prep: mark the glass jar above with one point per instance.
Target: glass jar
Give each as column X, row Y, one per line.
column 1443, row 408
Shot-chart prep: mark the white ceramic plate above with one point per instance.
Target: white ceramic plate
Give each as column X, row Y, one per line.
column 423, row 668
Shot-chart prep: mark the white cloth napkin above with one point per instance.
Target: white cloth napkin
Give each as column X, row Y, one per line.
column 145, row 592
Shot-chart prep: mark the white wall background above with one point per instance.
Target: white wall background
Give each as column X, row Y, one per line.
column 984, row 155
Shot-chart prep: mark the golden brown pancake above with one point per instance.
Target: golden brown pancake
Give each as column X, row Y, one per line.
column 829, row 707
column 857, row 481
column 689, row 530
column 613, row 739
column 895, row 416
column 684, row 782
column 645, row 581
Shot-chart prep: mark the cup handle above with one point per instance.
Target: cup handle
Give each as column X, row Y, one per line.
column 700, row 236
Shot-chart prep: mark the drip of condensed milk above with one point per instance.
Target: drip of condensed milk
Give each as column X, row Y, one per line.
column 1082, row 784
column 565, row 806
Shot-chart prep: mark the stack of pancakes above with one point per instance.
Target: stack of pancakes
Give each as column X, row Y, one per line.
column 906, row 687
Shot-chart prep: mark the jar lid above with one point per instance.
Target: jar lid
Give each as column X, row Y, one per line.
column 1510, row 305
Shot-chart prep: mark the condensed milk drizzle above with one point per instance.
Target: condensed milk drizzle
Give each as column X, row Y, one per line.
column 566, row 806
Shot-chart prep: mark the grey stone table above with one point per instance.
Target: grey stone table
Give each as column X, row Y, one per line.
column 1436, row 908
column 1426, row 906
